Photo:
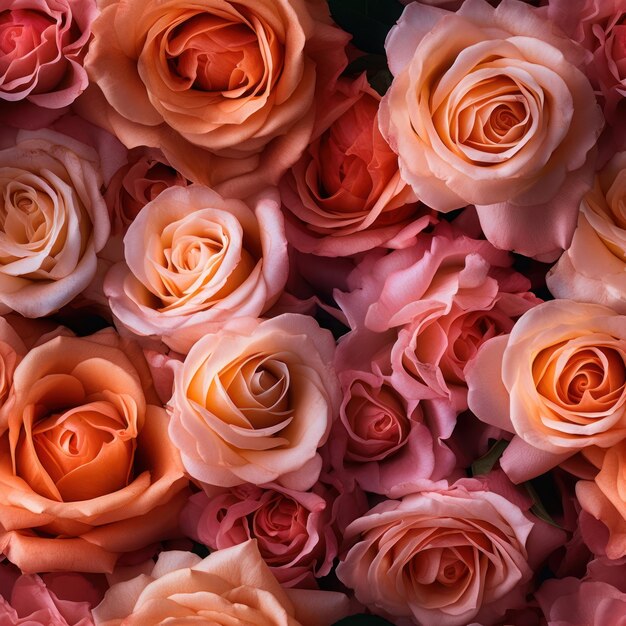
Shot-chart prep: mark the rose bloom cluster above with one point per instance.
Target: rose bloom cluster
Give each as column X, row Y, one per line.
column 313, row 312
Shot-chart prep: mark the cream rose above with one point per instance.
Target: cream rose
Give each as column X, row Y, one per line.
column 253, row 403
column 195, row 260
column 54, row 221
column 488, row 107
column 593, row 269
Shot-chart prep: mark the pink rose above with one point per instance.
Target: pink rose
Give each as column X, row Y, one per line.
column 345, row 194
column 500, row 116
column 593, row 269
column 254, row 402
column 195, row 260
column 42, row 46
column 443, row 556
column 558, row 381
column 230, row 586
column 294, row 530
column 226, row 89
column 55, row 221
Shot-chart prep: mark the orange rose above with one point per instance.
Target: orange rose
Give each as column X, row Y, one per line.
column 87, row 471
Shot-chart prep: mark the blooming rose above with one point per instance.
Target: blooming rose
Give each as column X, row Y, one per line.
column 195, row 260
column 230, row 586
column 488, row 107
column 442, row 556
column 54, row 221
column 294, row 530
column 88, row 472
column 254, row 401
column 42, row 46
column 593, row 269
column 226, row 89
column 345, row 194
column 558, row 381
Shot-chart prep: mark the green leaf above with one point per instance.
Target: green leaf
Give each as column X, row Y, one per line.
column 537, row 508
column 363, row 620
column 375, row 65
column 368, row 21
column 485, row 464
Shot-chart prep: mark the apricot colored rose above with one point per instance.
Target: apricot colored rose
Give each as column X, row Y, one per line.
column 593, row 269
column 558, row 381
column 226, row 89
column 54, row 221
column 87, row 471
column 195, row 260
column 254, row 402
column 229, row 587
column 489, row 107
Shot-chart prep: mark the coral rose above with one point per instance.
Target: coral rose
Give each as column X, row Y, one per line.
column 254, row 401
column 231, row 586
column 226, row 89
column 195, row 260
column 488, row 107
column 593, row 269
column 54, row 221
column 558, row 381
column 441, row 556
column 87, row 471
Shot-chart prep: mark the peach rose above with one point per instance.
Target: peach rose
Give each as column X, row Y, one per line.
column 593, row 269
column 230, row 586
column 254, row 401
column 195, row 260
column 54, row 221
column 88, row 472
column 558, row 381
column 226, row 89
column 488, row 107
column 345, row 194
column 42, row 47
column 442, row 556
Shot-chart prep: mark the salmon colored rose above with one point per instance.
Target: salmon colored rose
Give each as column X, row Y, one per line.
column 230, row 586
column 226, row 89
column 593, row 269
column 195, row 260
column 345, row 194
column 87, row 471
column 558, row 381
column 54, row 221
column 254, row 402
column 488, row 106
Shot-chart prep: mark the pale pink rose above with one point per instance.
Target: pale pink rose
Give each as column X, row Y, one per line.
column 443, row 556
column 230, row 586
column 294, row 530
column 593, row 269
column 345, row 194
column 254, row 402
column 42, row 47
column 558, row 381
column 195, row 260
column 500, row 116
column 227, row 90
column 55, row 221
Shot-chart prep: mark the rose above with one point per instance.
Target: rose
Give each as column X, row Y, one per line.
column 230, row 586
column 54, row 221
column 42, row 46
column 345, row 194
column 294, row 530
column 195, row 260
column 500, row 116
column 442, row 556
column 88, row 472
column 254, row 401
column 593, row 269
column 558, row 381
column 226, row 89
